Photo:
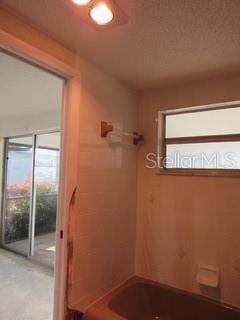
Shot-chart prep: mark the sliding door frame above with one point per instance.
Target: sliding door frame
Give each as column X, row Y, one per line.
column 33, row 188
column 69, row 152
column 32, row 204
column 4, row 195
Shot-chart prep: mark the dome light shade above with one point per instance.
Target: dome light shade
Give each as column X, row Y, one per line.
column 101, row 14
column 81, row 2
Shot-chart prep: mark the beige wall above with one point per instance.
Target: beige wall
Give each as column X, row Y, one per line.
column 104, row 228
column 103, row 225
column 186, row 221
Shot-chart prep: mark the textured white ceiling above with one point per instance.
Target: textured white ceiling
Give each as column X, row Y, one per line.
column 164, row 43
column 27, row 90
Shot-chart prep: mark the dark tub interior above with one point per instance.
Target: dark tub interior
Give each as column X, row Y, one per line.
column 141, row 299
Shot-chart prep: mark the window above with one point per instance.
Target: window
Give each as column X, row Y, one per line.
column 200, row 141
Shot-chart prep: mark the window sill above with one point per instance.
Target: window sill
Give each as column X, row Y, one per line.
column 234, row 173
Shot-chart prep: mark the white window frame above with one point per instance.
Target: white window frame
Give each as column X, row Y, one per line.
column 163, row 141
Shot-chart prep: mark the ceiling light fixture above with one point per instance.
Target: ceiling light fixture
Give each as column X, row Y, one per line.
column 81, row 2
column 101, row 14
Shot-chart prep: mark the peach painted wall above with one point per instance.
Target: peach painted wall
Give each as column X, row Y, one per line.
column 186, row 221
column 103, row 223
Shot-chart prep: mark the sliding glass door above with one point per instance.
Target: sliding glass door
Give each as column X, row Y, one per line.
column 46, row 177
column 30, row 195
column 17, row 193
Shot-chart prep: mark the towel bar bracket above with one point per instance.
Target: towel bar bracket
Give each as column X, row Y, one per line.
column 107, row 128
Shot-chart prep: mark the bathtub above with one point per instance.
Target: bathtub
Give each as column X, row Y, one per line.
column 140, row 299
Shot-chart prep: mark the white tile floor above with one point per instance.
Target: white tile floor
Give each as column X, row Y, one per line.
column 26, row 289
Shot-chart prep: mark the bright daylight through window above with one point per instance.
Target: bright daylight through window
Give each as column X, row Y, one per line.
column 201, row 139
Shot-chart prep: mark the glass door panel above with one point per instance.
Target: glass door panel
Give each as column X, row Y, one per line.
column 18, row 186
column 46, row 177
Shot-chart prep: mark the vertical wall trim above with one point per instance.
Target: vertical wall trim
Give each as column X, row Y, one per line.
column 32, row 207
column 3, row 204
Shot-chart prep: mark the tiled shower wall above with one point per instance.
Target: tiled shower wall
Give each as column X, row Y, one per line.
column 186, row 221
column 104, row 218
